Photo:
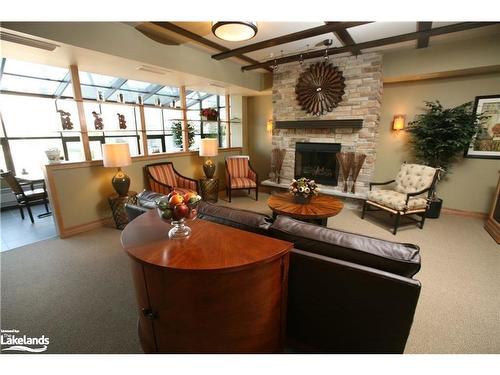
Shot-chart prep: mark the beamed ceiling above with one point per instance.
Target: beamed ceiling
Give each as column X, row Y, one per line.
column 284, row 42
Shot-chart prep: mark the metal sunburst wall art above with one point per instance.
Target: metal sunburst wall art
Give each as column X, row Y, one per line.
column 320, row 88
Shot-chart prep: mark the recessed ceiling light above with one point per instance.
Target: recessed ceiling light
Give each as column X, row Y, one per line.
column 216, row 85
column 152, row 69
column 234, row 31
column 30, row 42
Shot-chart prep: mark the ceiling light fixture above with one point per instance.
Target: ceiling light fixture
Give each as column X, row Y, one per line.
column 152, row 69
column 30, row 42
column 234, row 31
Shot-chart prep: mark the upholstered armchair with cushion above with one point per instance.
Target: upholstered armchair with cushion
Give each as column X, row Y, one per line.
column 240, row 176
column 163, row 178
column 410, row 195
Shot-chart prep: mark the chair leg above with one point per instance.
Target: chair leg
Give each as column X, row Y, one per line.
column 363, row 211
column 396, row 223
column 248, row 191
column 229, row 195
column 256, row 194
column 30, row 213
column 423, row 220
column 46, row 204
column 21, row 211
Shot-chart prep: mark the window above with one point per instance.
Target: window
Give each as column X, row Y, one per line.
column 159, row 129
column 25, row 77
column 39, row 112
column 33, row 125
column 196, row 101
column 112, row 123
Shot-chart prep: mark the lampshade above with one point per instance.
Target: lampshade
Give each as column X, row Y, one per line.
column 234, row 31
column 399, row 122
column 209, row 147
column 116, row 155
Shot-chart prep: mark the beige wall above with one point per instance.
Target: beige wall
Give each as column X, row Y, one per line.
column 471, row 53
column 259, row 111
column 471, row 184
column 81, row 189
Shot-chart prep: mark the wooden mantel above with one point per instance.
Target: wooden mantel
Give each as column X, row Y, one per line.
column 319, row 124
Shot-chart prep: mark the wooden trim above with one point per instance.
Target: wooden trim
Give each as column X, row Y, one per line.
column 463, row 213
column 423, row 41
column 94, row 163
column 185, row 140
column 346, row 39
column 228, row 119
column 441, row 75
column 372, row 43
column 71, row 231
column 319, row 124
column 144, row 135
column 299, row 35
column 77, row 91
column 53, row 199
column 197, row 38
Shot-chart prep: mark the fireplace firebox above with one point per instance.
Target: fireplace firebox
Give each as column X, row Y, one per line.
column 317, row 161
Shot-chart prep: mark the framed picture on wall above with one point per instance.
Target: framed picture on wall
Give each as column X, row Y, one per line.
column 486, row 143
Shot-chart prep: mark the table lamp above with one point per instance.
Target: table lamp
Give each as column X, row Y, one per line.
column 209, row 147
column 118, row 155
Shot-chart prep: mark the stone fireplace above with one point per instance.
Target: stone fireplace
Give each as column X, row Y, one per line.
column 361, row 102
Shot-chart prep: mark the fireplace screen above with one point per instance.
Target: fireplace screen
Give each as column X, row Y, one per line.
column 317, row 161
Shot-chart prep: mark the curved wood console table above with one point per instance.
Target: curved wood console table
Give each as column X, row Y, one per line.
column 222, row 290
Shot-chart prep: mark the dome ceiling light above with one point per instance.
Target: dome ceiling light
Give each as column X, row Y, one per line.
column 234, row 31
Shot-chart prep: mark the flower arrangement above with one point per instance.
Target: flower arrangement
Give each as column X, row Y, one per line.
column 303, row 189
column 209, row 113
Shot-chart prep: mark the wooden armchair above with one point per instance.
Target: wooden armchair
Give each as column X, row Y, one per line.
column 163, row 178
column 240, row 176
column 413, row 188
column 26, row 197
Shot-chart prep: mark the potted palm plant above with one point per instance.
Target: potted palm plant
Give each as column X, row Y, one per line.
column 439, row 137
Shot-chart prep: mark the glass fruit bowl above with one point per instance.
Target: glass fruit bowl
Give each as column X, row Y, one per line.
column 176, row 209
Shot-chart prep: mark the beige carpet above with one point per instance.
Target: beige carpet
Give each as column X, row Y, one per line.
column 78, row 291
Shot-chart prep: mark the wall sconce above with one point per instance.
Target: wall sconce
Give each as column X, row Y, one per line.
column 398, row 123
column 269, row 126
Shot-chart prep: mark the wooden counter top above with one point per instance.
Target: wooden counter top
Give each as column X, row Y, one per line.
column 210, row 246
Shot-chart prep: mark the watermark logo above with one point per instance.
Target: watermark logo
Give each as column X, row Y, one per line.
column 11, row 340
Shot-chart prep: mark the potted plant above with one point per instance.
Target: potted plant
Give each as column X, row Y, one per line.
column 177, row 134
column 209, row 114
column 439, row 137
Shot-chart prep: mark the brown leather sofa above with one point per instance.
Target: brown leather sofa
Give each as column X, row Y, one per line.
column 347, row 293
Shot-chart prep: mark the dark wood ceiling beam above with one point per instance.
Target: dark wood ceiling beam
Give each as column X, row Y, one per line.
column 199, row 39
column 423, row 41
column 346, row 39
column 299, row 35
column 374, row 43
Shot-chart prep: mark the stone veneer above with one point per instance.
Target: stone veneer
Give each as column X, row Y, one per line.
column 362, row 100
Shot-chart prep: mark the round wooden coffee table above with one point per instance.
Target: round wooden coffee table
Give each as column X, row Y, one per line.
column 317, row 211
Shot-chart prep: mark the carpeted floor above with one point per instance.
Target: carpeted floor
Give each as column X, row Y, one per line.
column 78, row 291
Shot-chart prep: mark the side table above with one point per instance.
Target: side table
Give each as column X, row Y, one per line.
column 117, row 204
column 210, row 189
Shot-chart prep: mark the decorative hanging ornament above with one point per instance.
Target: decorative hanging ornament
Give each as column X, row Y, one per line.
column 65, row 119
column 98, row 122
column 320, row 88
column 121, row 121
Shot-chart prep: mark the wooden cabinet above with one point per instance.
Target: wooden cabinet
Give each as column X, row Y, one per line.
column 222, row 290
column 493, row 221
